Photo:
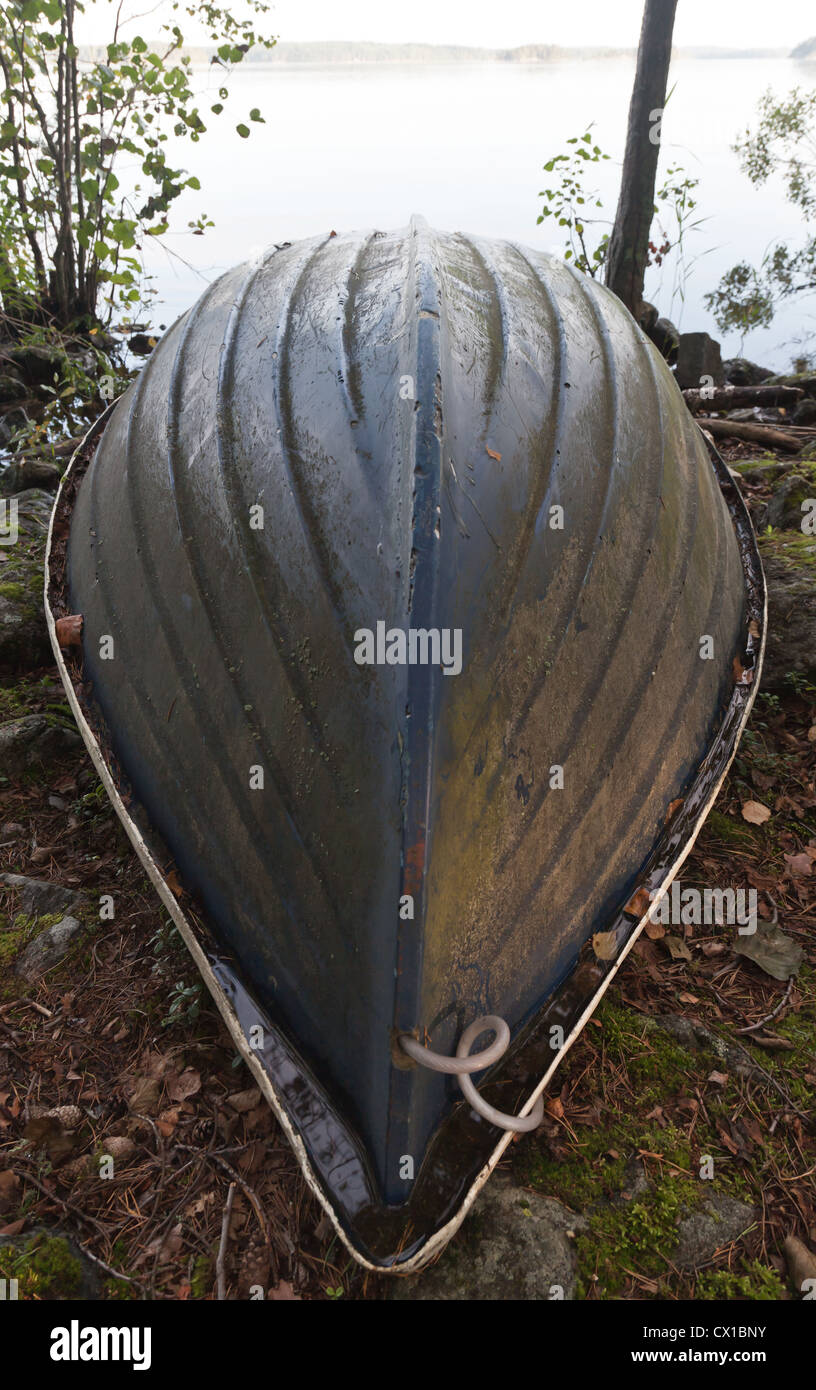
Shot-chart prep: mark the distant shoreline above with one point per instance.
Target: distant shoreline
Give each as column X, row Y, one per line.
column 348, row 52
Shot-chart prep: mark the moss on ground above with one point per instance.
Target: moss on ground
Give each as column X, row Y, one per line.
column 44, row 1267
column 756, row 1282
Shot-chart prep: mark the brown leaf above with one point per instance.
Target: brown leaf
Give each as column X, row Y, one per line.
column 167, row 1120
column 742, row 676
column 605, row 945
column 494, row 455
column 719, row 1078
column 677, row 948
column 69, row 630
column 755, row 813
column 799, row 865
column 13, row 1228
column 639, row 903
column 244, row 1100
column 753, row 628
column 555, row 1108
column 179, row 1087
column 674, row 807
column 171, row 878
column 284, row 1292
column 9, row 1182
column 654, row 930
column 144, row 1098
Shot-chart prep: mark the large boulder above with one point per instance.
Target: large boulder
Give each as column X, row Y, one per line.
column 24, row 642
column 514, row 1245
column 47, row 950
column 740, row 372
column 33, row 472
column 39, row 897
column 32, row 740
column 790, row 571
column 698, row 359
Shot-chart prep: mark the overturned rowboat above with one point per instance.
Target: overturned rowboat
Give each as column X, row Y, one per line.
column 419, row 628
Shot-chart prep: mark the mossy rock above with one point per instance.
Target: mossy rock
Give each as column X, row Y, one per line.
column 789, row 560
column 48, row 1266
column 24, row 642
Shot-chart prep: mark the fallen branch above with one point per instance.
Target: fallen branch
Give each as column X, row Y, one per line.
column 220, row 1272
column 729, row 397
column 758, row 434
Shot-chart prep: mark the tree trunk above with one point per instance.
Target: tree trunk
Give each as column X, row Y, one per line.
column 629, row 242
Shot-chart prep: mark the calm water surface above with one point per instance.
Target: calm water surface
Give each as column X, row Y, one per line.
column 368, row 145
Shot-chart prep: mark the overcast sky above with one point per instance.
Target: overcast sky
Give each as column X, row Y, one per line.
column 745, row 24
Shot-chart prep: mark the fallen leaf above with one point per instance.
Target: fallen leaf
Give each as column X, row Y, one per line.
column 677, row 948
column 171, row 878
column 639, row 903
column 244, row 1100
column 167, row 1121
column 742, row 675
column 605, row 945
column 13, row 1228
column 9, row 1182
column 555, row 1108
column 654, row 930
column 753, row 628
column 494, row 455
column 674, row 807
column 284, row 1292
column 188, row 1083
column 799, row 865
column 755, row 813
column 769, row 948
column 69, row 630
column 719, row 1078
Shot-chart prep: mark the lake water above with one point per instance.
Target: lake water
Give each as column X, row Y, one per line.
column 368, row 145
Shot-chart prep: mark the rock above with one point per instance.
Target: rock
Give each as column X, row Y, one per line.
column 11, row 422
column 666, row 339
column 39, row 364
column 809, row 451
column 784, row 511
column 24, row 642
column 791, row 645
column 740, row 372
column 698, row 357
column 11, row 389
column 40, row 898
column 29, row 473
column 47, row 949
column 649, row 314
column 142, row 343
column 30, row 740
column 702, row 1233
column 48, row 1264
column 805, row 412
column 515, row 1244
column 694, row 1036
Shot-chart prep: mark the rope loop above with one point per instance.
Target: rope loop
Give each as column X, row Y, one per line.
column 465, row 1062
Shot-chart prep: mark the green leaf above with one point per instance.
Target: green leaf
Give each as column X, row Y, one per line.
column 243, row 131
column 255, row 115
